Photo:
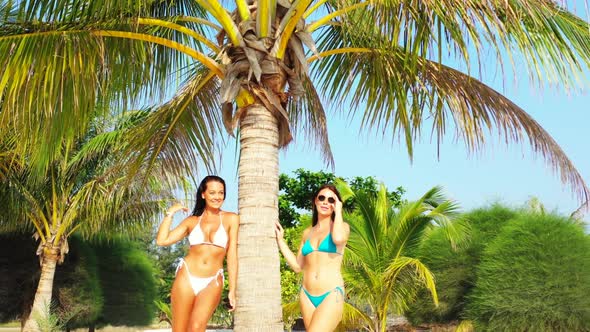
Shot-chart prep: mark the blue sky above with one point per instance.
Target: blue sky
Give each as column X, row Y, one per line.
column 510, row 174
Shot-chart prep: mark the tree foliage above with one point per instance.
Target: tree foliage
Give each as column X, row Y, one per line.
column 132, row 302
column 382, row 271
column 534, row 276
column 86, row 285
column 297, row 192
column 454, row 268
column 19, row 269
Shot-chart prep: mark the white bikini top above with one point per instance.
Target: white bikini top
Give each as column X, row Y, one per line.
column 197, row 237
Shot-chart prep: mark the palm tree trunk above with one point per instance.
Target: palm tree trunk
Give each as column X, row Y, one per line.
column 259, row 279
column 42, row 301
column 376, row 326
column 383, row 319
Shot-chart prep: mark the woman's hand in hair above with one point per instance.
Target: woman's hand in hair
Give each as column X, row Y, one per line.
column 177, row 206
column 337, row 206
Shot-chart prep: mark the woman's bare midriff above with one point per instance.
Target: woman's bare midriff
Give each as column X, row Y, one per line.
column 322, row 272
column 204, row 260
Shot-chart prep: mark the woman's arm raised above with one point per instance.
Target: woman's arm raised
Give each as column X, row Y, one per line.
column 340, row 229
column 167, row 237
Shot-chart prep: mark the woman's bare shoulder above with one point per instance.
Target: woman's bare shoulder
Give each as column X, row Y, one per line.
column 306, row 231
column 190, row 220
column 231, row 217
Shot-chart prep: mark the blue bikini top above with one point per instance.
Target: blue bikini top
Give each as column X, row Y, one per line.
column 327, row 245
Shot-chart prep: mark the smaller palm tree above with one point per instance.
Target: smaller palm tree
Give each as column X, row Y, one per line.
column 87, row 192
column 382, row 272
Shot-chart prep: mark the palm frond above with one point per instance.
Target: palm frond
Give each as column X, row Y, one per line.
column 88, row 192
column 109, row 200
column 383, row 209
column 365, row 232
column 344, row 189
column 413, row 220
column 353, row 318
column 400, row 97
column 306, row 112
column 96, row 148
column 63, row 60
column 49, row 78
column 551, row 40
column 422, row 274
column 380, row 270
column 362, row 279
column 177, row 8
column 433, row 197
column 181, row 133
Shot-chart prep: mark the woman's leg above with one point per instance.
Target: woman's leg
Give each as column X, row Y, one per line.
column 328, row 314
column 205, row 304
column 307, row 308
column 182, row 298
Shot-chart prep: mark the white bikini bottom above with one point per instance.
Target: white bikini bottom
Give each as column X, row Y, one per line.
column 198, row 283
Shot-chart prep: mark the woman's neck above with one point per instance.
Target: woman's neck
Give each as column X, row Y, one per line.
column 324, row 222
column 211, row 211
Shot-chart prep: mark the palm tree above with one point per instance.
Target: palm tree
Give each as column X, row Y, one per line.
column 382, row 272
column 263, row 67
column 86, row 192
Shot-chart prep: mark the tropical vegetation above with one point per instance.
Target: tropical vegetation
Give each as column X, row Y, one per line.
column 296, row 192
column 86, row 192
column 99, row 283
column 523, row 269
column 382, row 271
column 265, row 67
column 455, row 268
column 534, row 276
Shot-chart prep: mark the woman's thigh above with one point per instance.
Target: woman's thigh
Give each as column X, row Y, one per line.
column 205, row 304
column 182, row 298
column 307, row 308
column 328, row 314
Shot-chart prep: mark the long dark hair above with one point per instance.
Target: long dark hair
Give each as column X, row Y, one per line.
column 332, row 188
column 200, row 204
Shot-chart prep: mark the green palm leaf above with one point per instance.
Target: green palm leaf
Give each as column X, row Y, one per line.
column 61, row 66
column 182, row 132
column 381, row 272
column 398, row 103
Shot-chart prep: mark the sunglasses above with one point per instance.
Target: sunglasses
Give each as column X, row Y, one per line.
column 322, row 198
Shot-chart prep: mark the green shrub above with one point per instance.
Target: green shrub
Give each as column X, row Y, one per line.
column 454, row 270
column 128, row 282
column 19, row 273
column 77, row 290
column 534, row 276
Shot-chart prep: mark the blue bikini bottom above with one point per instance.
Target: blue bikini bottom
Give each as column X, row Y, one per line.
column 317, row 300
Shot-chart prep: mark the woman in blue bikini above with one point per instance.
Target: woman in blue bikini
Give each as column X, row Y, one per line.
column 212, row 234
column 319, row 258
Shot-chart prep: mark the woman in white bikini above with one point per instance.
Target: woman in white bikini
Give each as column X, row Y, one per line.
column 212, row 234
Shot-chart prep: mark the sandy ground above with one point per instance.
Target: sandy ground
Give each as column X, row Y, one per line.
column 111, row 329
